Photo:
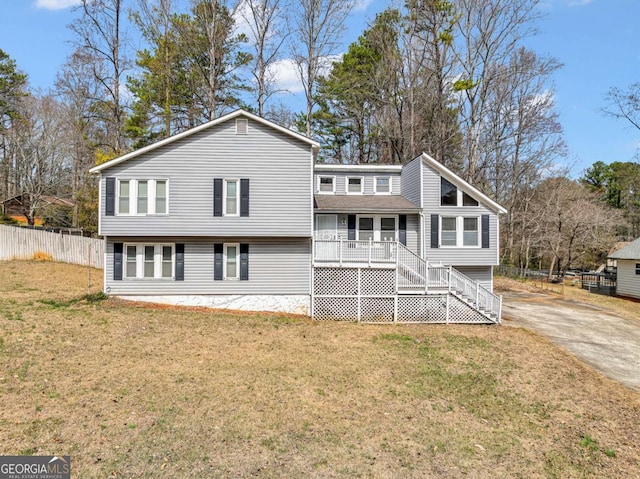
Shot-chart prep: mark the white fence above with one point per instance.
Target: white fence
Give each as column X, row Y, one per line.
column 23, row 243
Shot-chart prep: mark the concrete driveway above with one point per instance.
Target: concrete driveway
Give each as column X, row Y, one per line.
column 606, row 341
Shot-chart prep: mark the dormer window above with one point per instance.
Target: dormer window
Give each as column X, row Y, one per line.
column 383, row 184
column 326, row 184
column 354, row 185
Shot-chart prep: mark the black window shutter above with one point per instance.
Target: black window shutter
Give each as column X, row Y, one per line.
column 217, row 197
column 110, row 204
column 179, row 261
column 117, row 261
column 435, row 231
column 244, row 262
column 217, row 262
column 485, row 231
column 244, row 197
column 351, row 224
column 402, row 229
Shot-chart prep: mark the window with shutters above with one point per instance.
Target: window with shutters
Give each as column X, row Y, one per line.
column 149, row 261
column 142, row 197
column 230, row 197
column 231, row 261
column 460, row 231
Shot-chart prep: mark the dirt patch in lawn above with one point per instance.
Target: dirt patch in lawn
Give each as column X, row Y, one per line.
column 133, row 391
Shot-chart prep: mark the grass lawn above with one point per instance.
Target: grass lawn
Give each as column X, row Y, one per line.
column 131, row 390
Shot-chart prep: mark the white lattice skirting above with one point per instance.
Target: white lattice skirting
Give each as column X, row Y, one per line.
column 370, row 295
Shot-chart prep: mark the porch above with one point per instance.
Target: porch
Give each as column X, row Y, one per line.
column 383, row 281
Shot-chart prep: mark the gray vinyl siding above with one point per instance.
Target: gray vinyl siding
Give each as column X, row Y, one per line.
column 467, row 256
column 411, row 181
column 482, row 274
column 278, row 166
column 367, row 178
column 276, row 266
column 628, row 283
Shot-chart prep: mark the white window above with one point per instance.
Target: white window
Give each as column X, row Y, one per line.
column 354, row 185
column 123, row 197
column 231, row 261
column 459, row 231
column 449, row 234
column 149, row 261
column 383, row 184
column 470, row 232
column 143, row 197
column 230, row 195
column 377, row 228
column 326, row 184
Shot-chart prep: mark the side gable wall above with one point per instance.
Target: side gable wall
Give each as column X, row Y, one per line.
column 278, row 166
column 457, row 256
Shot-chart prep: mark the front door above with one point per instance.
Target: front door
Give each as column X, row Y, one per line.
column 326, row 236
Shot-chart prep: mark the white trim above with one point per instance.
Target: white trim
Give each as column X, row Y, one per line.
column 314, row 144
column 140, row 261
column 361, row 178
column 224, row 196
column 375, row 185
column 226, row 246
column 333, row 184
column 462, row 184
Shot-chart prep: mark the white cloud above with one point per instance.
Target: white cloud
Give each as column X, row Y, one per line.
column 361, row 5
column 285, row 74
column 57, row 4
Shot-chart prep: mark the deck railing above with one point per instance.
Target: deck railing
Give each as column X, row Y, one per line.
column 347, row 251
column 413, row 272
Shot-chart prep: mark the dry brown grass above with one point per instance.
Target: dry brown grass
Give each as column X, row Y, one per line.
column 133, row 391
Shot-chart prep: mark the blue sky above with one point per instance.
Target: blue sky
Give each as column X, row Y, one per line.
column 597, row 41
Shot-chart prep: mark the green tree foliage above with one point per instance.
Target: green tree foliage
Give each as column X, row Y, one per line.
column 618, row 185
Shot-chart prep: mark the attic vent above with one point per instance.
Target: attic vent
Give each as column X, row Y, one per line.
column 241, row 126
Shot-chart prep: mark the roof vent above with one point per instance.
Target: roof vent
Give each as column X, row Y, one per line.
column 241, row 126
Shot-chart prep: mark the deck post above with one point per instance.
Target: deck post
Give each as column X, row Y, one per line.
column 359, row 298
column 477, row 293
column 449, row 279
column 500, row 310
column 448, row 308
column 426, row 277
column 340, row 251
column 370, row 244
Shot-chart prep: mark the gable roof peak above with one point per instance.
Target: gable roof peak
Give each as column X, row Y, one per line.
column 229, row 116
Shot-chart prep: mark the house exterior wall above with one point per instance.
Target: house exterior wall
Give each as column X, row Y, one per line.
column 278, row 166
column 277, row 266
column 462, row 256
column 368, row 180
column 411, row 184
column 627, row 282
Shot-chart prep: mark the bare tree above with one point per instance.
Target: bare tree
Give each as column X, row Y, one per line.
column 265, row 19
column 100, row 35
column 624, row 104
column 316, row 28
column 41, row 153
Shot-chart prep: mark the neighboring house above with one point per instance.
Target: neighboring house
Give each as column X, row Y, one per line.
column 18, row 207
column 236, row 214
column 628, row 270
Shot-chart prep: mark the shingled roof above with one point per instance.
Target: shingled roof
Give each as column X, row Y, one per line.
column 363, row 204
column 631, row 251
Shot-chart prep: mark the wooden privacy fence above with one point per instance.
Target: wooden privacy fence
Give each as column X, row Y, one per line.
column 21, row 243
